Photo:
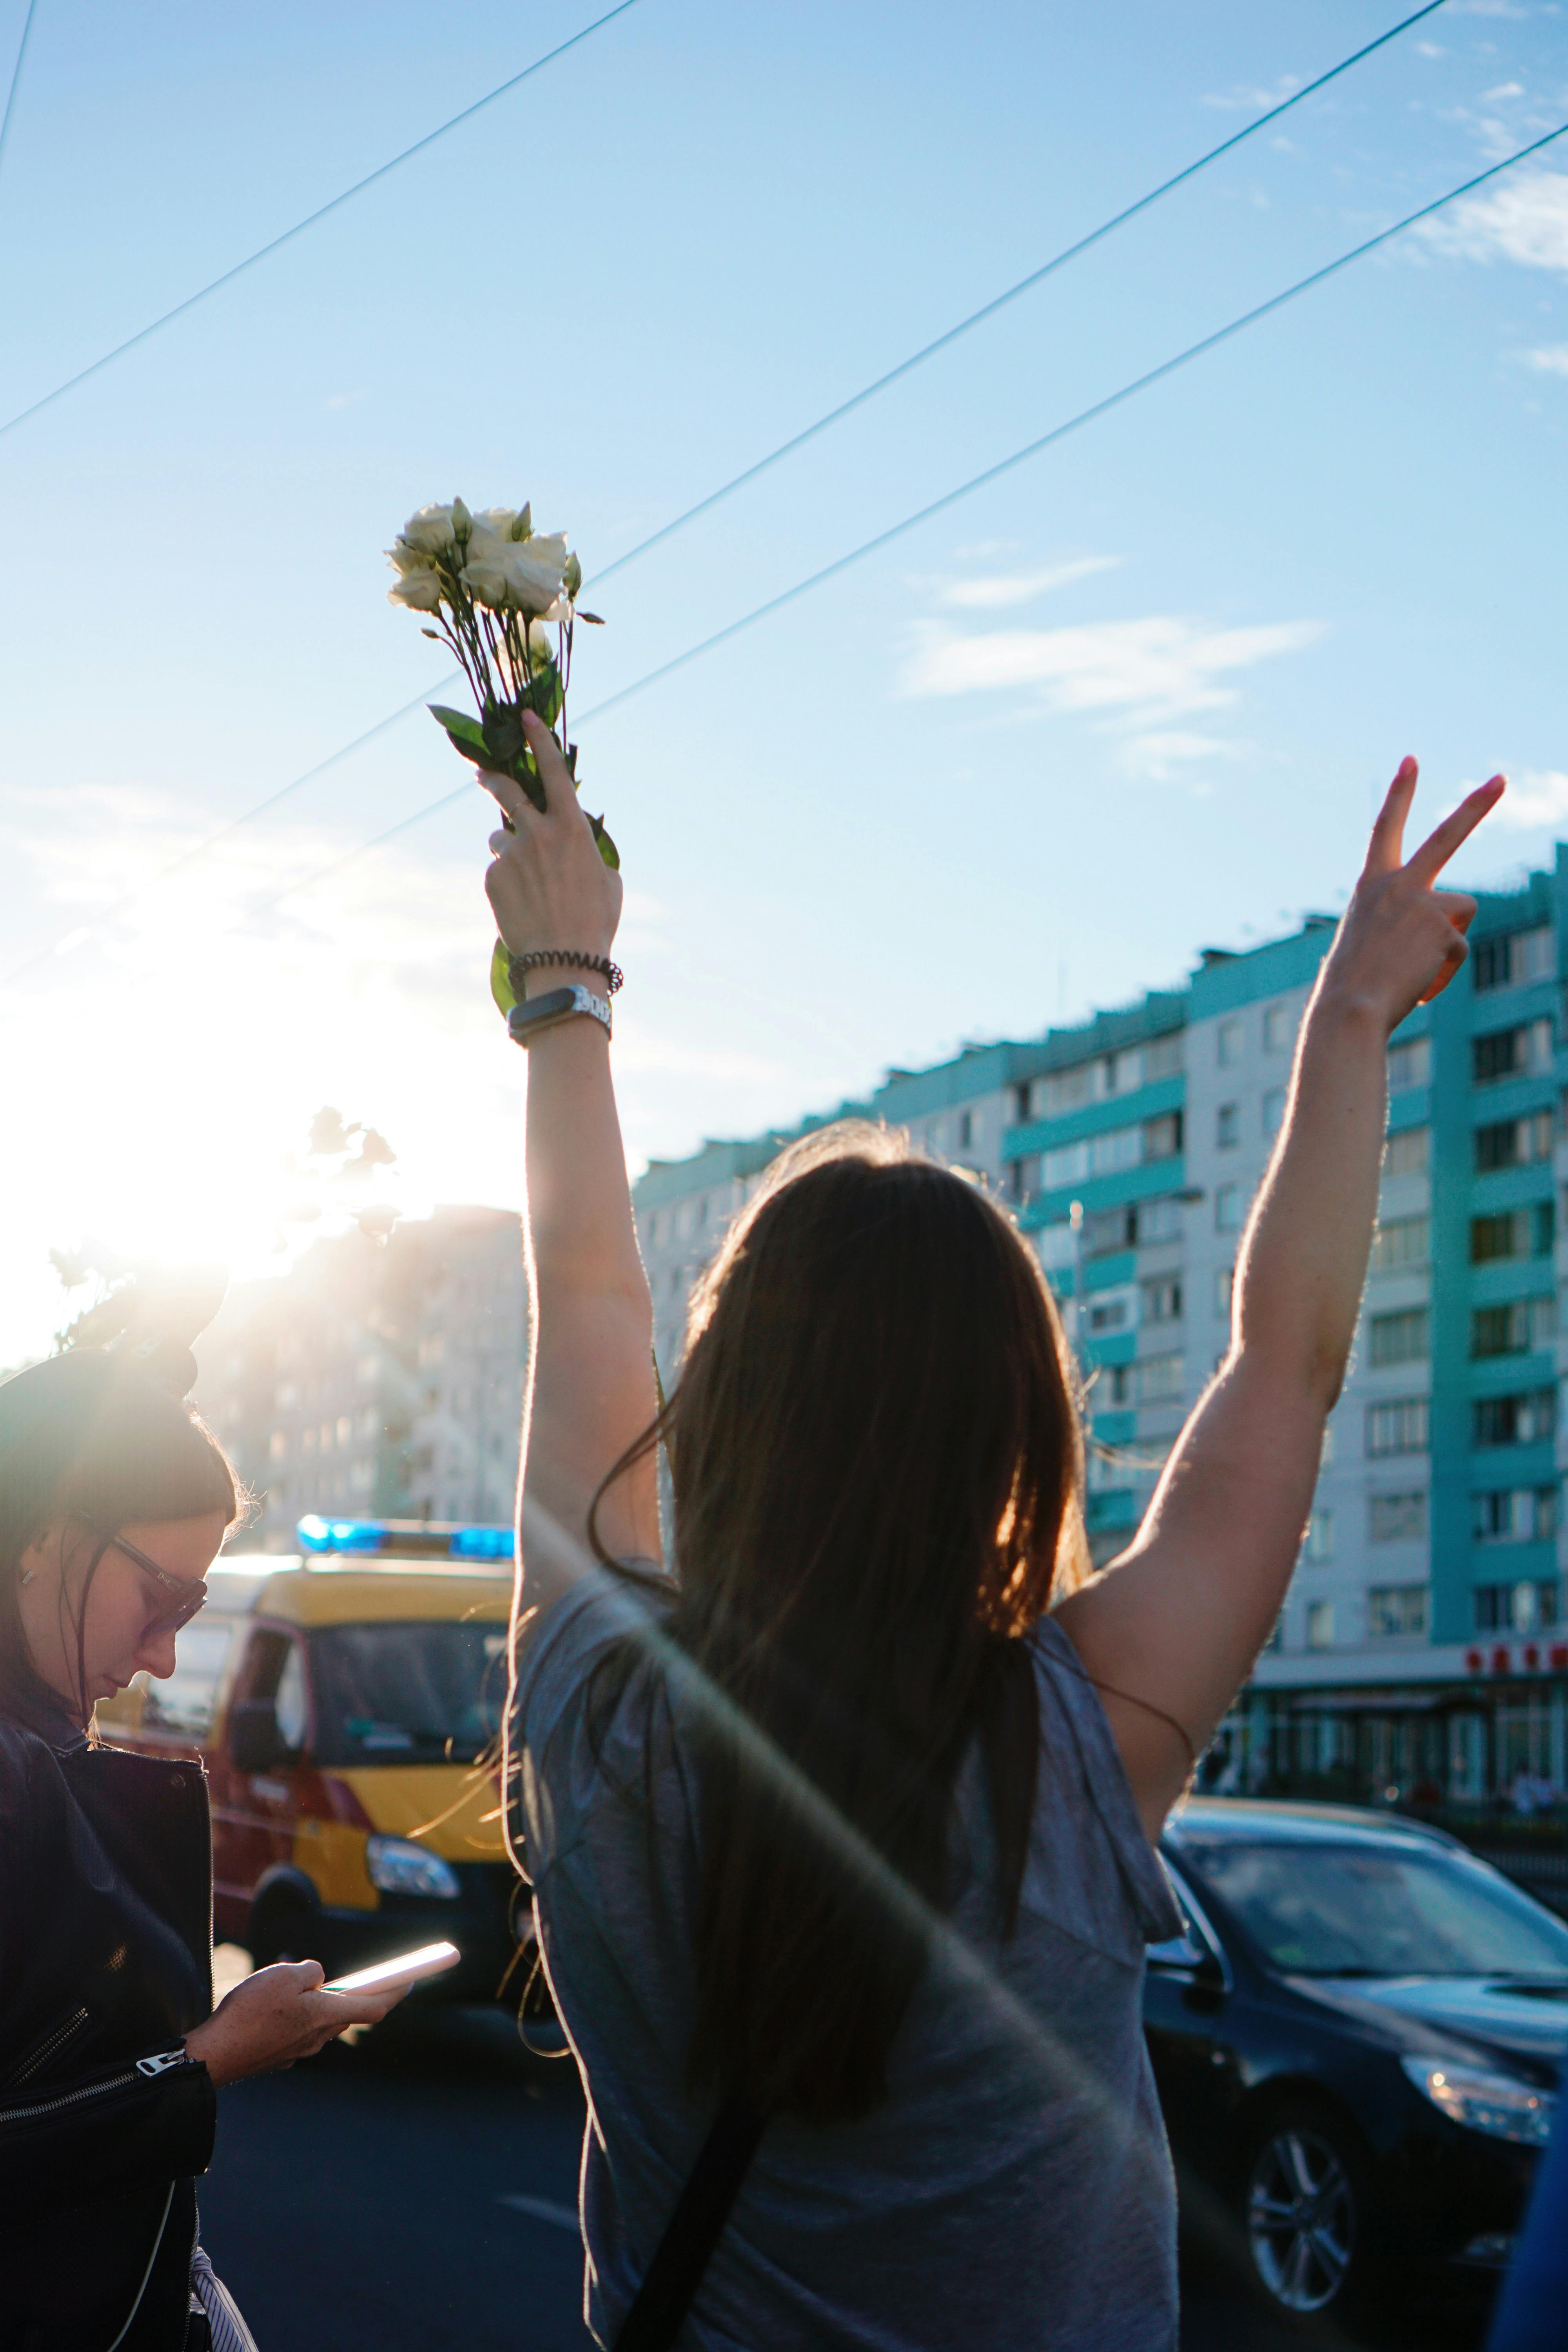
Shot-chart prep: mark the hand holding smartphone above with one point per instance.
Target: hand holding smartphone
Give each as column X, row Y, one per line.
column 429, row 1960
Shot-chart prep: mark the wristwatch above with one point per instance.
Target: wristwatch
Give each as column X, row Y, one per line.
column 531, row 1019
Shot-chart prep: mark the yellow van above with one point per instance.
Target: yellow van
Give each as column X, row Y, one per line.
column 346, row 1703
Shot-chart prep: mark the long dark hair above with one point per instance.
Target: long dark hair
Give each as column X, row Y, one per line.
column 97, row 1438
column 876, row 1472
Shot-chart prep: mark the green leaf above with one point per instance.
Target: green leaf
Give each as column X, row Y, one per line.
column 502, row 988
column 547, row 698
column 460, row 726
column 503, row 736
column 606, row 847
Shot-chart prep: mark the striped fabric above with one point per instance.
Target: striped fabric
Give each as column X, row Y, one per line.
column 225, row 2318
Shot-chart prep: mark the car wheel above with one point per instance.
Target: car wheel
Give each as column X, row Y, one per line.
column 1304, row 2213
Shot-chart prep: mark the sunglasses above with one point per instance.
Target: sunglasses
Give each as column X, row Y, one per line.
column 188, row 1592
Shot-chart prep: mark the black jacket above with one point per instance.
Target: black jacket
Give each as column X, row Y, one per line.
column 105, row 1966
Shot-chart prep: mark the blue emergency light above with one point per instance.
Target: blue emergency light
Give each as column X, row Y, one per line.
column 402, row 1539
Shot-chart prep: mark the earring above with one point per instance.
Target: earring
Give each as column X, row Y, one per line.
column 26, row 1576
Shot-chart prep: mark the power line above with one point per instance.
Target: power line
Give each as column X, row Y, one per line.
column 785, row 449
column 976, row 482
column 15, row 76
column 999, row 302
column 275, row 244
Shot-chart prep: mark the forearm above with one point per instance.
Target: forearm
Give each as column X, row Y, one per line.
column 1303, row 1263
column 581, row 1235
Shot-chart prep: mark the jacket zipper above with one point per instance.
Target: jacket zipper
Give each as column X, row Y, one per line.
column 143, row 2067
column 46, row 2048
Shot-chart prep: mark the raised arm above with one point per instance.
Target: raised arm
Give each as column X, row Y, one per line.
column 591, row 1387
column 1176, row 1623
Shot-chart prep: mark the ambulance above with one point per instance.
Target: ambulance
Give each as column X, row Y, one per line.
column 346, row 1702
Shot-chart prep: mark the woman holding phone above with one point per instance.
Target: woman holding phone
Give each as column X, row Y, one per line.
column 114, row 1499
column 842, row 1834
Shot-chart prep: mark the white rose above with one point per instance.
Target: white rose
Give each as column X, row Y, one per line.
column 535, row 573
column 484, row 572
column 417, row 586
column 430, row 532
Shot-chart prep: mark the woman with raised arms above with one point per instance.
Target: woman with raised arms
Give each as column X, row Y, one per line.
column 841, row 1826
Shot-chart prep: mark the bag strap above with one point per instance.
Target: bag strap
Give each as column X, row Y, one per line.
column 693, row 2230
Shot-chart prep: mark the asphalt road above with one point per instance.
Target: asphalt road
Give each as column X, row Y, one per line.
column 417, row 2193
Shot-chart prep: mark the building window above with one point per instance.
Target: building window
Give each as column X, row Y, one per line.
column 1163, row 1059
column 1228, row 1043
column 1517, row 957
column 1223, row 1285
column 1408, row 1152
column 1162, row 1136
column 1274, row 1110
column 1227, row 1127
column 1397, row 1518
column 1392, row 1610
column 1279, row 1029
column 1229, row 1209
column 1516, row 1329
column 1319, row 1624
column 1409, row 1064
column 1517, row 1233
column 1528, row 1607
column 1112, row 1314
column 1121, row 1383
column 1514, row 1142
column 1159, row 1220
column 1511, row 1053
column 1162, row 1300
column 1398, row 1427
column 1400, row 1339
column 1161, row 1380
column 1403, row 1242
column 1514, row 1419
column 1318, row 1542
column 1514, row 1515
column 966, row 1130
column 1020, row 1104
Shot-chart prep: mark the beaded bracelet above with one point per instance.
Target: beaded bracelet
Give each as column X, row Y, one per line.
column 520, row 965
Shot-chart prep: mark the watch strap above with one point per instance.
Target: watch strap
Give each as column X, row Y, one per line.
column 532, row 1018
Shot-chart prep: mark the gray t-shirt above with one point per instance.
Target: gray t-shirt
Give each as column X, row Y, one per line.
column 1014, row 2194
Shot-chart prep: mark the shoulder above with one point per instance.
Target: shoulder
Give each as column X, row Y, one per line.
column 570, row 1639
column 1084, row 1795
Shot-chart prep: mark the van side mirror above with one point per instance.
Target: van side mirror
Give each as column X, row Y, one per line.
column 255, row 1741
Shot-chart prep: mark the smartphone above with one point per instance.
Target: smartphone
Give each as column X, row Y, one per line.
column 407, row 1969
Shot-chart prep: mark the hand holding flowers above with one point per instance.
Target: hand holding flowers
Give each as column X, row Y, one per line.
column 495, row 587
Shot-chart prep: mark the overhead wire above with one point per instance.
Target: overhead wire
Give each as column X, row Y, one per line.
column 949, row 498
column 1000, row 301
column 15, row 76
column 786, row 449
column 965, row 489
column 335, row 203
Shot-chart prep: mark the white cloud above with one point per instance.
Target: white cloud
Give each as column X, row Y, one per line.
column 1525, row 220
column 1021, row 588
column 1535, row 798
column 1162, row 664
column 1504, row 90
column 1257, row 100
column 1429, row 49
column 1159, row 755
column 1551, row 360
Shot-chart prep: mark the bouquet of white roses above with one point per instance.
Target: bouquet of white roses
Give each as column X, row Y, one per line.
column 495, row 588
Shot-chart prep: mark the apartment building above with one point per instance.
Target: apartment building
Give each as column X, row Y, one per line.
column 376, row 1379
column 1422, row 1646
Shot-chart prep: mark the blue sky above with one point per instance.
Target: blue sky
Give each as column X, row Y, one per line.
column 1136, row 697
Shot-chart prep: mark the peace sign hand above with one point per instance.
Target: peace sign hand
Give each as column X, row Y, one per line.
column 1402, row 941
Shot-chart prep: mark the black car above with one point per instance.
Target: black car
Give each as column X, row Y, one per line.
column 1358, row 2044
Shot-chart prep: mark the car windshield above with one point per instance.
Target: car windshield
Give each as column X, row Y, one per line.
column 1379, row 1910
column 407, row 1694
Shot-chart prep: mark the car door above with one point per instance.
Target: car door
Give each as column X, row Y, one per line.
column 253, row 1813
column 1188, row 1989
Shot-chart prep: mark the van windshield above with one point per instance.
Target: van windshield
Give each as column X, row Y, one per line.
column 407, row 1694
